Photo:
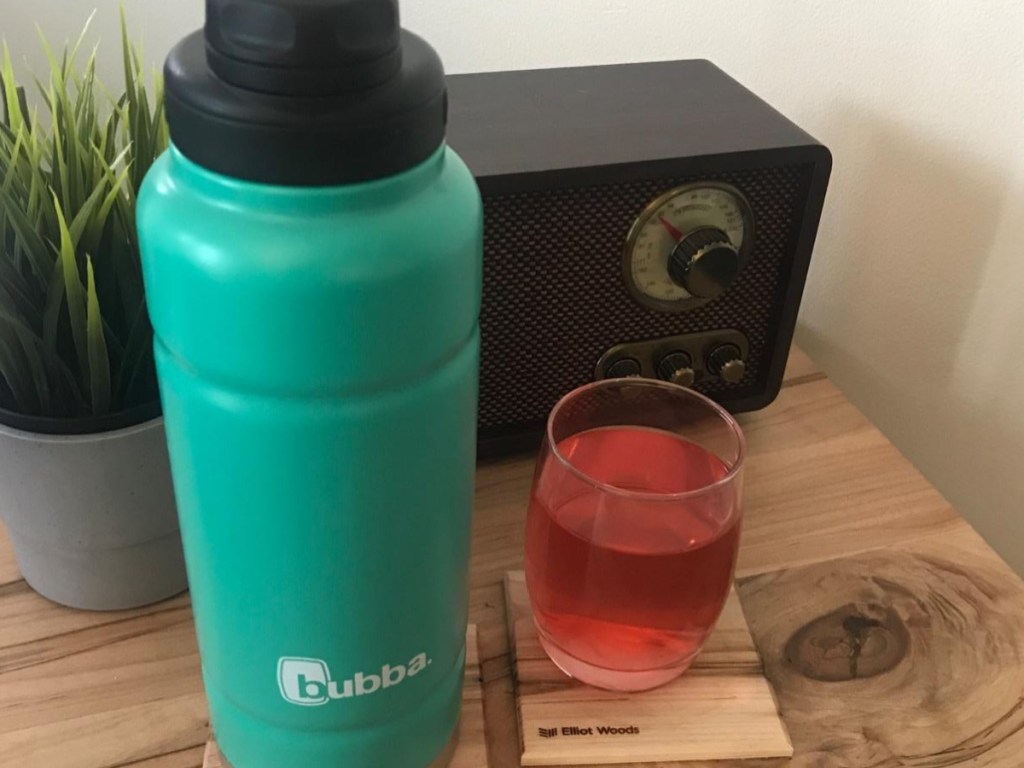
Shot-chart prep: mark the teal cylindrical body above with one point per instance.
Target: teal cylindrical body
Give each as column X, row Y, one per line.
column 317, row 352
column 312, row 259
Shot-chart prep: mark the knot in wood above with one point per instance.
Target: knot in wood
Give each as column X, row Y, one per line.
column 850, row 643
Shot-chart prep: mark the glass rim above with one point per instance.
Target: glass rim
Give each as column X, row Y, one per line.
column 722, row 413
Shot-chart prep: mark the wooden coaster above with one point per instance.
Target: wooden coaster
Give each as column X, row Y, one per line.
column 722, row 708
column 471, row 748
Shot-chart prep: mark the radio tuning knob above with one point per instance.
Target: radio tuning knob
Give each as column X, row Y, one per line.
column 726, row 361
column 677, row 367
column 704, row 262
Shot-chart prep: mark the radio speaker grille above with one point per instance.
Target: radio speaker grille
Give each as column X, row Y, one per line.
column 554, row 299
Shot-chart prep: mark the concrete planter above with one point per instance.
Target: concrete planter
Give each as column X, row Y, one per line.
column 92, row 516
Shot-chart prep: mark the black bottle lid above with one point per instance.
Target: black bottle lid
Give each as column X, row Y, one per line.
column 305, row 92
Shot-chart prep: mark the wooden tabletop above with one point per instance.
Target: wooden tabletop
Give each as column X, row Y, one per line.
column 893, row 635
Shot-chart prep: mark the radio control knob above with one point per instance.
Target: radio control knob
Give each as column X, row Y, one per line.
column 726, row 362
column 677, row 367
column 704, row 262
column 622, row 368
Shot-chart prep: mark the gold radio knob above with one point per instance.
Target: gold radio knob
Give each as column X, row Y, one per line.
column 726, row 362
column 677, row 367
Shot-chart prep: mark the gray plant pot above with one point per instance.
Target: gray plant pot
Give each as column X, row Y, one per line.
column 92, row 517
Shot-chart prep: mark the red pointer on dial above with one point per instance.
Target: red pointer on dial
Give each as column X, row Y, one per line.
column 673, row 232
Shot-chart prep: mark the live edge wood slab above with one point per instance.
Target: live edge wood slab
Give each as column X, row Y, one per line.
column 892, row 634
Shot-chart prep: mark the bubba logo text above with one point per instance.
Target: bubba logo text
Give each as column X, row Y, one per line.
column 308, row 683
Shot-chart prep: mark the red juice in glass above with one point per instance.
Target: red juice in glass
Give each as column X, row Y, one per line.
column 631, row 543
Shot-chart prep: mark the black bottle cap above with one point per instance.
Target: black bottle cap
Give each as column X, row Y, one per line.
column 305, row 92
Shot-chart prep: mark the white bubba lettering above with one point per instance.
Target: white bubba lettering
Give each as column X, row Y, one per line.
column 307, row 682
column 392, row 675
column 418, row 664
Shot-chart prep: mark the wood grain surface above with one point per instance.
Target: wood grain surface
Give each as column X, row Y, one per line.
column 722, row 708
column 825, row 495
column 907, row 656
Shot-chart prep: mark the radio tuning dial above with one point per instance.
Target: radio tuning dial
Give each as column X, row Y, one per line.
column 704, row 262
column 687, row 246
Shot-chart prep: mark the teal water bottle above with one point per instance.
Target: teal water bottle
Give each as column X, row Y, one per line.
column 312, row 259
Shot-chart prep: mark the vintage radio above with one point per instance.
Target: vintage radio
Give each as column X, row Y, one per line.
column 641, row 219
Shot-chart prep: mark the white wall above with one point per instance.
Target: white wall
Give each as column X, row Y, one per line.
column 916, row 298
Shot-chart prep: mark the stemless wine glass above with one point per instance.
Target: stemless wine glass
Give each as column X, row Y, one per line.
column 633, row 530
